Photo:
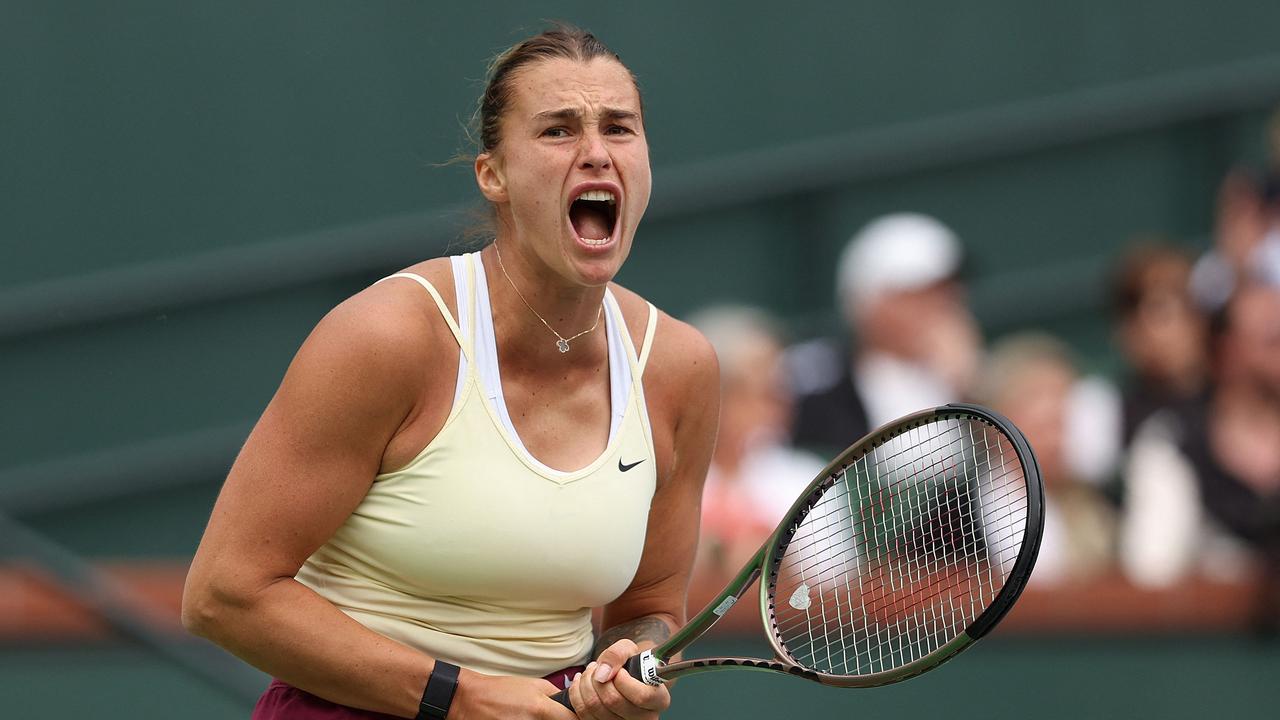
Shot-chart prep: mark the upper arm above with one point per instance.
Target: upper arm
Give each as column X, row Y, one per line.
column 315, row 451
column 682, row 387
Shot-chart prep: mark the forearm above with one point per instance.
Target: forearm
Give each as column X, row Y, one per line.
column 646, row 632
column 293, row 634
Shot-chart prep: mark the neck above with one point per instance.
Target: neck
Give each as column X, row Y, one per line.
column 534, row 310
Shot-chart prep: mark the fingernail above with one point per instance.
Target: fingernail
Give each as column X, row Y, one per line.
column 575, row 677
column 603, row 672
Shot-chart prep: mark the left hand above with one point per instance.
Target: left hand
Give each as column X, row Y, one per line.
column 606, row 692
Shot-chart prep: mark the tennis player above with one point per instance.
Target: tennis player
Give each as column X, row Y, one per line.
column 467, row 457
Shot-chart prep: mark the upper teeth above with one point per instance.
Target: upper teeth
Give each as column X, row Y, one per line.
column 599, row 195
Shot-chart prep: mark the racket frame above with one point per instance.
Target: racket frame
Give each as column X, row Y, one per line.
column 653, row 665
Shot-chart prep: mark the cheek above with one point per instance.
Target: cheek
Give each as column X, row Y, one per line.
column 528, row 180
column 639, row 177
column 646, row 187
column 646, row 182
column 531, row 171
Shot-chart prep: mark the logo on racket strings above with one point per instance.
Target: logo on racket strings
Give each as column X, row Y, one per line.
column 800, row 598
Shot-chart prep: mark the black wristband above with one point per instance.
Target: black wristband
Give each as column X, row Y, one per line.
column 438, row 695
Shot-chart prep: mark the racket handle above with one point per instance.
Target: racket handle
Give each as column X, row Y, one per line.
column 636, row 668
column 642, row 667
column 562, row 697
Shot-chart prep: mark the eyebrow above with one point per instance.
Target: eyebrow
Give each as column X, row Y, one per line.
column 575, row 114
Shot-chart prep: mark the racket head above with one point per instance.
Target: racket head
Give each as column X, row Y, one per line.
column 910, row 546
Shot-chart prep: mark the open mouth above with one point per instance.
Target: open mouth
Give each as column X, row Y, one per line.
column 593, row 216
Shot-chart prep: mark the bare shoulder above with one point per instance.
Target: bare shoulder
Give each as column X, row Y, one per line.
column 682, row 354
column 407, row 295
column 374, row 376
column 397, row 316
column 384, row 335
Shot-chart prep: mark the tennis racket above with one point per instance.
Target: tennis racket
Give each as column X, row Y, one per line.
column 906, row 549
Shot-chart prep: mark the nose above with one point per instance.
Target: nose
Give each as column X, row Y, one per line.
column 594, row 153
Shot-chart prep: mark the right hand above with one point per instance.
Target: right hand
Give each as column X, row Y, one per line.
column 504, row 697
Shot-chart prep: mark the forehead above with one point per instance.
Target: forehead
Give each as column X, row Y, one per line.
column 558, row 83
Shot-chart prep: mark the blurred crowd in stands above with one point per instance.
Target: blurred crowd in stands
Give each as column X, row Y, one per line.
column 1167, row 473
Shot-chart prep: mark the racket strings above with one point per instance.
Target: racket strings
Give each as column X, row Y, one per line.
column 822, row 572
column 907, row 547
column 932, row 620
column 929, row 560
column 940, row 620
column 933, row 625
column 897, row 469
column 824, row 621
column 919, row 597
column 803, row 548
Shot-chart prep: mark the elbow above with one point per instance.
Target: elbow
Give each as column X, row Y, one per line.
column 208, row 606
column 200, row 611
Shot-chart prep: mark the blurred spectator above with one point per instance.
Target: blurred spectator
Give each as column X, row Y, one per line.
column 1203, row 479
column 1031, row 378
column 1161, row 332
column 1246, row 242
column 916, row 344
column 1271, row 210
column 754, row 475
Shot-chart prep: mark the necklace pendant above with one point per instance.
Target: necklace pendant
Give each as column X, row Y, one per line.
column 563, row 345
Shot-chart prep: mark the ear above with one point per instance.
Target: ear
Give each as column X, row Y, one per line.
column 491, row 178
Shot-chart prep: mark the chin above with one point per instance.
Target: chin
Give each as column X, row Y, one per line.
column 595, row 263
column 600, row 270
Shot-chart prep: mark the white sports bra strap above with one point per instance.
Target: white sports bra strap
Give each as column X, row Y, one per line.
column 648, row 336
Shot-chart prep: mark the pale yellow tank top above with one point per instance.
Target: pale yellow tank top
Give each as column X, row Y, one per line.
column 477, row 553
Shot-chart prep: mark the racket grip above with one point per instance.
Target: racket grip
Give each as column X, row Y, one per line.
column 635, row 668
column 562, row 697
column 642, row 667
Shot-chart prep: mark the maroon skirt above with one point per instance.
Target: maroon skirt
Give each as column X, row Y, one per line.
column 282, row 701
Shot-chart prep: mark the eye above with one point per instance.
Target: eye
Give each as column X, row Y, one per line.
column 556, row 132
column 618, row 130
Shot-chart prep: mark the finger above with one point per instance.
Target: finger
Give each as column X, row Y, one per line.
column 614, row 657
column 612, row 701
column 575, row 694
column 617, row 703
column 592, row 705
column 585, row 701
column 649, row 697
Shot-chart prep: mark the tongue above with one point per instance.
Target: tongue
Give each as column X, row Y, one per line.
column 589, row 220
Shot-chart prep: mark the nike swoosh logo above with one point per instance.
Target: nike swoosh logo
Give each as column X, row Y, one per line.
column 624, row 468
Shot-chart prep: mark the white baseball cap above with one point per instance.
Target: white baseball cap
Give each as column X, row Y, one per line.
column 902, row 251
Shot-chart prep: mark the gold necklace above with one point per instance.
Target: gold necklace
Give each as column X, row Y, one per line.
column 562, row 342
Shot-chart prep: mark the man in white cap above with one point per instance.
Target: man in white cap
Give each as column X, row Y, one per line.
column 916, row 342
